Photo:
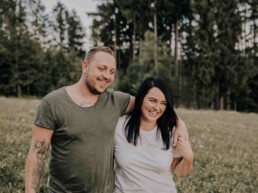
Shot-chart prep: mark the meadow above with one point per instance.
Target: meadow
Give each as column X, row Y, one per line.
column 224, row 144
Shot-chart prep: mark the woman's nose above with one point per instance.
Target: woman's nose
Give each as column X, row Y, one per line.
column 156, row 106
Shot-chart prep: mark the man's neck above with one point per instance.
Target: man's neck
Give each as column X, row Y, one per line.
column 80, row 94
column 84, row 91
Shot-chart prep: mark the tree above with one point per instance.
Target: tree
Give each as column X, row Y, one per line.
column 75, row 34
column 39, row 22
column 59, row 25
column 216, row 60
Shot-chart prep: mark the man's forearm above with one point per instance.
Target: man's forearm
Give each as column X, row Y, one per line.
column 183, row 168
column 180, row 131
column 35, row 165
column 181, row 124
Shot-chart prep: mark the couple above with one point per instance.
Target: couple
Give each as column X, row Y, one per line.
column 79, row 122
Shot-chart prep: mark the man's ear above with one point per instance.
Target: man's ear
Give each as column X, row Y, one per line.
column 84, row 66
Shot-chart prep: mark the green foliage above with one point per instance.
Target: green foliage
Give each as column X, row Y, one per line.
column 215, row 43
column 28, row 65
column 144, row 66
column 140, row 68
column 105, row 22
column 217, row 65
column 130, row 81
column 60, row 24
column 63, row 68
column 39, row 22
column 244, row 102
column 75, row 34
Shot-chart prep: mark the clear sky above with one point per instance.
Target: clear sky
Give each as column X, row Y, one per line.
column 81, row 7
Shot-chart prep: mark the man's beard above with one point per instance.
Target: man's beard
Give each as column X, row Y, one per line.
column 92, row 89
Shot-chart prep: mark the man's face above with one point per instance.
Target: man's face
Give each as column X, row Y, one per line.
column 100, row 72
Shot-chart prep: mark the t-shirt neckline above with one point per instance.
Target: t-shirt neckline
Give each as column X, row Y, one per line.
column 71, row 100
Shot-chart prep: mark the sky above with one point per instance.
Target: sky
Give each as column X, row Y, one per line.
column 81, row 7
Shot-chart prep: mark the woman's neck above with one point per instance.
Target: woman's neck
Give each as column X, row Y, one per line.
column 147, row 126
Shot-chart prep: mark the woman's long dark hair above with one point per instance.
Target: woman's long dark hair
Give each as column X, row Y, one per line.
column 165, row 123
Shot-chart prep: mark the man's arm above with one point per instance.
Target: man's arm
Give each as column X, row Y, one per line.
column 34, row 168
column 180, row 131
column 183, row 165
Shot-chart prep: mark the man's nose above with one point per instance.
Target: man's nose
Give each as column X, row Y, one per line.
column 106, row 75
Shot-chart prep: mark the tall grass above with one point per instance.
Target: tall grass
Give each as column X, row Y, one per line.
column 225, row 148
column 224, row 143
column 16, row 117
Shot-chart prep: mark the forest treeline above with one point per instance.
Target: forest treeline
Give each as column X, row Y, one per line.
column 207, row 50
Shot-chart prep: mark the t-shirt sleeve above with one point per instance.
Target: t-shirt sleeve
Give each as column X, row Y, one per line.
column 119, row 133
column 44, row 116
column 123, row 100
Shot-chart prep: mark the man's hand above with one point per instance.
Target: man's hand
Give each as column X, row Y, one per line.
column 183, row 147
column 181, row 166
column 180, row 131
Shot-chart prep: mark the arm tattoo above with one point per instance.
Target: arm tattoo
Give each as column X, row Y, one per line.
column 40, row 148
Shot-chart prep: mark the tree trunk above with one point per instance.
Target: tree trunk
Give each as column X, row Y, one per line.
column 155, row 42
column 228, row 100
column 115, row 41
column 19, row 91
column 176, row 47
column 221, row 102
column 134, row 36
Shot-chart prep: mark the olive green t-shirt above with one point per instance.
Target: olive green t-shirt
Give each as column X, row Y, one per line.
column 82, row 143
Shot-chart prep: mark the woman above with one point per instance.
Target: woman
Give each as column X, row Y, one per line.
column 143, row 150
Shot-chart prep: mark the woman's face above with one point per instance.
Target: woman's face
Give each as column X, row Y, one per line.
column 153, row 105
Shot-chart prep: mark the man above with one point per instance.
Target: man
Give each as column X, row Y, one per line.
column 79, row 122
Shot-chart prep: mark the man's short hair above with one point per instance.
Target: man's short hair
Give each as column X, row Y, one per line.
column 93, row 51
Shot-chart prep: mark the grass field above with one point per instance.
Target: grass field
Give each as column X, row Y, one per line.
column 225, row 145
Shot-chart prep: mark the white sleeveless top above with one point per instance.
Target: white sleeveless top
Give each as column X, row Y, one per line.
column 144, row 168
